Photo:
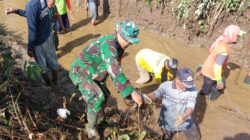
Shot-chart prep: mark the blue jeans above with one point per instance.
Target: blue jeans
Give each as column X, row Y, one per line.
column 45, row 55
column 94, row 9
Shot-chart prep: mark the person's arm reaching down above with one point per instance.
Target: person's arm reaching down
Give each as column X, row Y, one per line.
column 60, row 22
column 109, row 56
column 183, row 117
column 220, row 60
column 32, row 28
column 70, row 8
column 191, row 100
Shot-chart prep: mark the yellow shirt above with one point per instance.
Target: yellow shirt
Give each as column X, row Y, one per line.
column 153, row 62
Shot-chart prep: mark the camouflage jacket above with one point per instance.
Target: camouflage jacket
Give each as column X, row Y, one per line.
column 53, row 19
column 100, row 59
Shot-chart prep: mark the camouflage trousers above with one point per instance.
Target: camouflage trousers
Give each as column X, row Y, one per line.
column 53, row 19
column 55, row 37
column 94, row 93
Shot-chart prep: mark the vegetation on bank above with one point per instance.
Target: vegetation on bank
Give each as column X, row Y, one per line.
column 204, row 13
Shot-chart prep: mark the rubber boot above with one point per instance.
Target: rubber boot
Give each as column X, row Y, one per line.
column 46, row 79
column 214, row 94
column 91, row 126
column 54, row 77
column 106, row 92
column 100, row 116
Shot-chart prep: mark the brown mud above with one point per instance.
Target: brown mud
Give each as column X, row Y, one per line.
column 227, row 118
column 164, row 21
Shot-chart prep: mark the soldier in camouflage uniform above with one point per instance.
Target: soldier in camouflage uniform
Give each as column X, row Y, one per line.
column 53, row 18
column 53, row 13
column 98, row 60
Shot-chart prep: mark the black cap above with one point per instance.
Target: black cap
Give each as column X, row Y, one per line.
column 173, row 64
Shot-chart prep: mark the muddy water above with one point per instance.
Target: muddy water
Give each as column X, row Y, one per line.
column 227, row 117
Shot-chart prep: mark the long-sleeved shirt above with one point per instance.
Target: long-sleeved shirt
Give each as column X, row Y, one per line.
column 21, row 12
column 100, row 59
column 37, row 14
column 220, row 60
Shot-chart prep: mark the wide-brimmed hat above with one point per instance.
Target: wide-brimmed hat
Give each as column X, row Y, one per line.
column 128, row 31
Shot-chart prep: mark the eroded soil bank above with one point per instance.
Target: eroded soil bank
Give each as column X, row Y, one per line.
column 164, row 21
column 226, row 118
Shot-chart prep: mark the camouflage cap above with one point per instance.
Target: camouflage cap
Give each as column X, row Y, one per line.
column 128, row 30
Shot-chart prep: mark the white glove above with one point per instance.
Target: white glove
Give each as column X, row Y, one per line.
column 62, row 112
column 147, row 98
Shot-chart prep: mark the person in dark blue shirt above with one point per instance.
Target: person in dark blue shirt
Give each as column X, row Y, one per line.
column 40, row 43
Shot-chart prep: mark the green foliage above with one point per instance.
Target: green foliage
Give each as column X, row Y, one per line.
column 127, row 136
column 203, row 8
column 32, row 69
column 205, row 12
column 137, row 135
column 6, row 63
column 143, row 134
column 124, row 137
column 248, row 3
column 149, row 5
column 5, row 121
column 208, row 11
column 29, row 122
column 202, row 29
column 183, row 9
column 232, row 5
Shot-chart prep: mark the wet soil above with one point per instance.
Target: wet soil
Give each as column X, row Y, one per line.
column 226, row 118
column 164, row 21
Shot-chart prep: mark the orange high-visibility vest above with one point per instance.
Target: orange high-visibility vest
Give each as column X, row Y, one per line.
column 208, row 67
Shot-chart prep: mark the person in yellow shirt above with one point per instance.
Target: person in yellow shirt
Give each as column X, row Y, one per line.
column 163, row 67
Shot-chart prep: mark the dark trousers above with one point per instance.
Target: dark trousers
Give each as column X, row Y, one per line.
column 209, row 85
column 189, row 134
column 65, row 21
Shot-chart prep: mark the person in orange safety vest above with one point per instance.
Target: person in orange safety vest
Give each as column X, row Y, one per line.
column 212, row 69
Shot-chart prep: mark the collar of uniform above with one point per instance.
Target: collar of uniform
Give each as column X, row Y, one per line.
column 116, row 41
column 174, row 84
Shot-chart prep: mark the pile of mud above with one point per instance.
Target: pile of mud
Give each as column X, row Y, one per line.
column 29, row 108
